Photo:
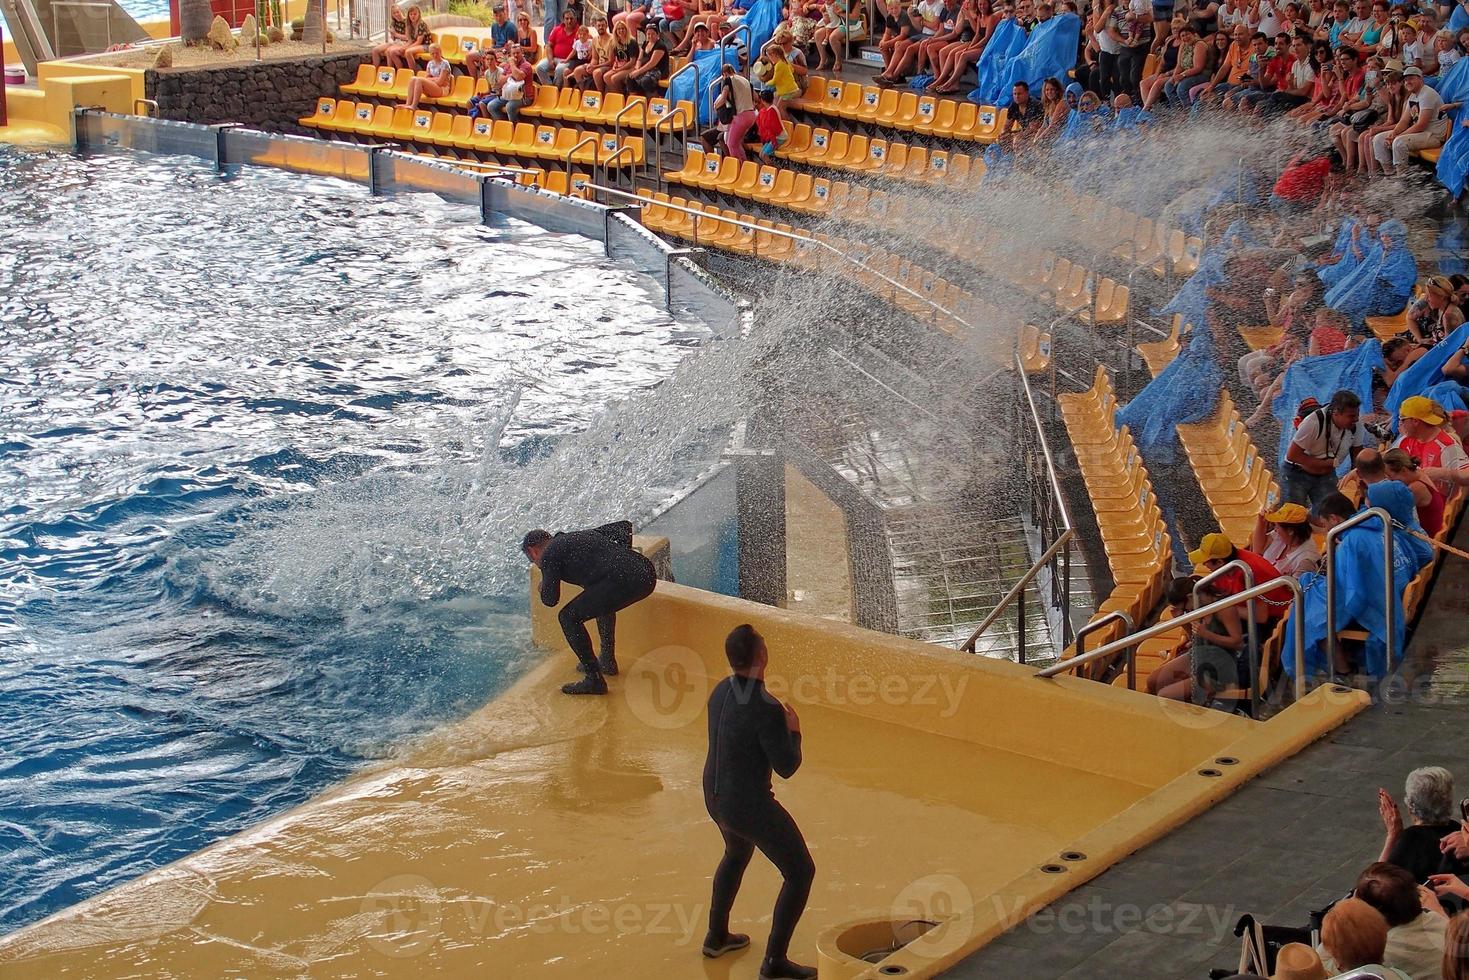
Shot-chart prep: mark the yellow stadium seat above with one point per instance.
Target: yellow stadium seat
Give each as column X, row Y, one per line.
column 543, row 143
column 403, row 123
column 363, row 83
column 557, row 182
column 693, row 165
column 872, row 96
column 927, row 109
column 381, row 123
column 383, row 79
column 547, row 98
column 1158, row 354
column 783, row 188
column 325, row 112
column 707, row 177
column 886, row 109
column 399, row 87
column 459, row 92
column 731, row 177
column 812, row 95
column 589, row 109
column 826, row 148
column 850, row 106
column 906, row 114
column 360, row 120
column 959, row 167
column 523, row 142
column 458, row 131
column 748, row 183
column 567, row 105
column 941, row 123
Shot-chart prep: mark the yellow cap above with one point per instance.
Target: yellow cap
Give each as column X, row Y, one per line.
column 1288, row 514
column 1422, row 409
column 1212, row 548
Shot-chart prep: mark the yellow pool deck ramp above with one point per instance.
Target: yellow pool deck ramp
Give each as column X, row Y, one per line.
column 551, row 836
column 42, row 114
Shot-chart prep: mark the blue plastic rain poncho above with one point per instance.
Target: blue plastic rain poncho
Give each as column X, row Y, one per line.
column 1459, row 19
column 1187, row 390
column 1360, row 585
column 1383, row 283
column 1191, row 302
column 1320, row 378
column 1332, row 274
column 1050, row 53
column 681, row 89
column 1453, row 250
column 1453, row 158
column 1426, row 375
column 762, row 20
column 1009, row 40
column 1133, row 117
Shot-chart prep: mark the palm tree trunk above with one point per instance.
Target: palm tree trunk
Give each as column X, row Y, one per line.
column 312, row 31
column 195, row 16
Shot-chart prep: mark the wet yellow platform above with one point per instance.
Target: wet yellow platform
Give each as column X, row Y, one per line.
column 556, row 837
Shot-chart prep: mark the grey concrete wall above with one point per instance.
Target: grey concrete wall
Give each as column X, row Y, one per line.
column 268, row 95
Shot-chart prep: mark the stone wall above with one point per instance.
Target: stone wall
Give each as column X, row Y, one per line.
column 268, row 95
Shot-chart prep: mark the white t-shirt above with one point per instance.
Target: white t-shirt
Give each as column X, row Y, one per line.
column 1296, row 561
column 1413, row 54
column 1425, row 100
column 1301, row 73
column 1333, row 443
column 928, row 11
column 1269, row 19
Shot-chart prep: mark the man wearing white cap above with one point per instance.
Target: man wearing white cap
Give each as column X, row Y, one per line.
column 1419, row 126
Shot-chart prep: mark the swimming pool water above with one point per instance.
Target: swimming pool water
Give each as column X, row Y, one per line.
column 253, row 432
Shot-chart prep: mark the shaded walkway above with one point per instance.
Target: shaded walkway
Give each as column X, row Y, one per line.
column 1289, row 842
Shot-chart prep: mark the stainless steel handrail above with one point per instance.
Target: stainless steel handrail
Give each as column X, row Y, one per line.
column 572, row 152
column 1252, row 638
column 777, row 233
column 606, row 165
column 1062, row 541
column 1158, row 629
column 1387, row 577
column 636, row 102
column 677, row 111
column 749, row 42
column 145, row 103
column 1115, row 615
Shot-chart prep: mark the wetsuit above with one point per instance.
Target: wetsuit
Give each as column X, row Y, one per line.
column 612, row 577
column 748, row 738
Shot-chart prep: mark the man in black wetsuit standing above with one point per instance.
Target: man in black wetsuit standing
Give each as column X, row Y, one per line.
column 612, row 576
column 751, row 734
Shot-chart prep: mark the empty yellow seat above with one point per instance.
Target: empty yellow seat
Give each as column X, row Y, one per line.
column 325, row 112
column 364, row 82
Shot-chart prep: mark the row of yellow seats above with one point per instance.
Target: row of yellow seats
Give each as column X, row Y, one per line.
column 1134, row 536
column 1233, row 475
column 455, row 131
column 750, row 179
column 1133, row 237
column 926, row 115
column 923, row 290
column 569, row 103
column 858, row 154
column 1074, row 288
column 1035, row 349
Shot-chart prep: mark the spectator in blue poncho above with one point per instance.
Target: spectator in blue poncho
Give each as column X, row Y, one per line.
column 1347, row 251
column 1360, row 582
column 1383, row 281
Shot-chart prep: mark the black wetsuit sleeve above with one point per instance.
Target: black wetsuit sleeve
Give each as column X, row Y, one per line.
column 782, row 746
column 550, row 581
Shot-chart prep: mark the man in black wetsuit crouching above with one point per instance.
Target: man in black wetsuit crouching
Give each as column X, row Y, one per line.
column 612, row 576
column 751, row 734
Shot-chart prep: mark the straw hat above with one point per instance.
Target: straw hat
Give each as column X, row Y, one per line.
column 1297, row 961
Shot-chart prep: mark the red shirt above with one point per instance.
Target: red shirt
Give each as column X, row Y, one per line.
column 1273, row 604
column 560, row 41
column 1329, row 340
column 1277, row 70
column 768, row 125
column 1304, row 182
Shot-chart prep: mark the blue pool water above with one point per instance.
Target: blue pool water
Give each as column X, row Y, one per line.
column 265, row 445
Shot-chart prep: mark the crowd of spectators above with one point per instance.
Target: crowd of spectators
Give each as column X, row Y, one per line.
column 1406, row 916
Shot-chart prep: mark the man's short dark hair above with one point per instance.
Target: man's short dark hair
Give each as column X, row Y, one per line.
column 1392, row 891
column 1022, row 83
column 1369, row 463
column 741, row 646
column 534, row 538
column 1337, row 505
column 1260, row 36
column 1344, row 401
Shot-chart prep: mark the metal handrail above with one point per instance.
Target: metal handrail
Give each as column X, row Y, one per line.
column 1049, row 554
column 1387, row 576
column 1252, row 638
column 1115, row 615
column 1167, row 625
column 606, row 165
column 145, row 103
column 678, row 110
column 636, row 102
column 777, row 233
column 572, row 152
